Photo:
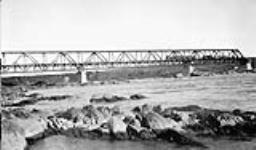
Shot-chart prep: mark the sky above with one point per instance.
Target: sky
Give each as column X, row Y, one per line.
column 128, row 24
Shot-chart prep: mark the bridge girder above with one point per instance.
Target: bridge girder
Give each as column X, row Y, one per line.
column 41, row 61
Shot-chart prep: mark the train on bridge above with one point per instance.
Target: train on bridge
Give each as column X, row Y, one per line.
column 46, row 61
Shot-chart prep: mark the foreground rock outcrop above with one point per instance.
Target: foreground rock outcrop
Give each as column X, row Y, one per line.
column 180, row 125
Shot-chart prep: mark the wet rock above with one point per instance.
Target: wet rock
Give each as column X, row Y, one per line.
column 236, row 112
column 12, row 136
column 157, row 109
column 249, row 116
column 32, row 100
column 249, row 128
column 147, row 134
column 174, row 136
column 230, row 130
column 187, row 108
column 137, row 97
column 55, row 97
column 107, row 98
column 208, row 119
column 170, row 113
column 41, row 84
column 136, row 132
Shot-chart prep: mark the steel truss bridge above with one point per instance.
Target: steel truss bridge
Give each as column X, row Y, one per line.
column 45, row 61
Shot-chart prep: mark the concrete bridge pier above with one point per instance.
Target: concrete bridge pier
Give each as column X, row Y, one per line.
column 83, row 77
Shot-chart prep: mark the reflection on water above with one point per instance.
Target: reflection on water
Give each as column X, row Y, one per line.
column 221, row 92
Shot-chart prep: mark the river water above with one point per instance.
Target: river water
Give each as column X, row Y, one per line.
column 220, row 92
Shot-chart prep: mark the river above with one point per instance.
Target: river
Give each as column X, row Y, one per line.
column 220, row 92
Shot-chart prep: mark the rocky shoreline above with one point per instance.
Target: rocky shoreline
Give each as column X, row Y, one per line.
column 181, row 125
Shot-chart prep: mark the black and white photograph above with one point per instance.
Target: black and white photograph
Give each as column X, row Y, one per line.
column 128, row 74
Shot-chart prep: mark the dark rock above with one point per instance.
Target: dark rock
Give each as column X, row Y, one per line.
column 71, row 114
column 173, row 136
column 157, row 109
column 137, row 97
column 133, row 132
column 248, row 128
column 107, row 98
column 169, row 113
column 31, row 101
column 237, row 112
column 40, row 84
column 188, row 108
column 147, row 134
column 16, row 112
column 249, row 116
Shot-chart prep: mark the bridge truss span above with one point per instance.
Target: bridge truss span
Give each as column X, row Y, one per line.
column 42, row 61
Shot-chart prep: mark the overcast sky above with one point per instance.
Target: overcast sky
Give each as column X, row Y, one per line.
column 128, row 24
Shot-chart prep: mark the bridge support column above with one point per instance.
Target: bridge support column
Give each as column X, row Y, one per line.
column 83, row 77
column 191, row 68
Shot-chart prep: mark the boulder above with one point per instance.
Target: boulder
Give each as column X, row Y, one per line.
column 227, row 119
column 174, row 136
column 117, row 128
column 73, row 114
column 155, row 121
column 192, row 108
column 137, row 97
column 170, row 113
column 137, row 132
column 107, row 98
column 157, row 109
column 32, row 126
column 16, row 112
column 12, row 136
column 94, row 114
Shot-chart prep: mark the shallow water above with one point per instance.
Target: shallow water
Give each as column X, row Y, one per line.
column 68, row 143
column 219, row 92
